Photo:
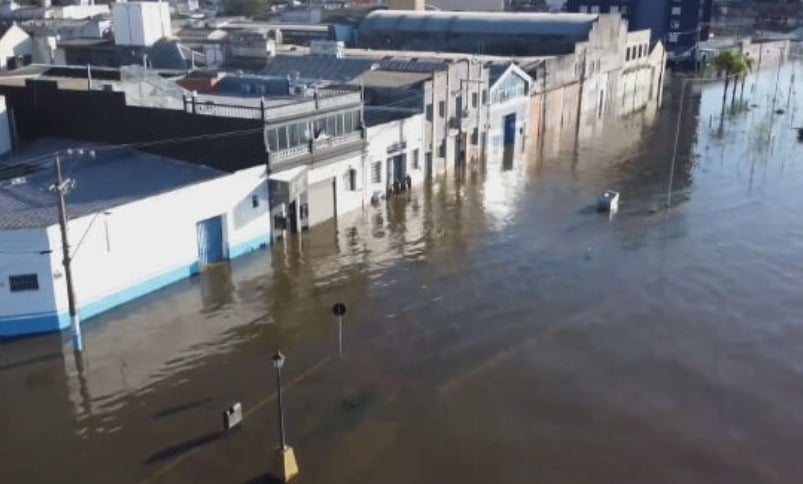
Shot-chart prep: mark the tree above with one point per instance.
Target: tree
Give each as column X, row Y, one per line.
column 748, row 61
column 724, row 64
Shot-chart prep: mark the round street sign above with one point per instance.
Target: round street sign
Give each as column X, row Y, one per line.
column 339, row 309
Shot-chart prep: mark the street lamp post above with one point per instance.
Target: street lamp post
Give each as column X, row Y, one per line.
column 285, row 463
column 675, row 144
column 278, row 363
column 677, row 132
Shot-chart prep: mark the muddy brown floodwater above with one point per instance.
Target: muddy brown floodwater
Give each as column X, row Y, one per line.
column 498, row 330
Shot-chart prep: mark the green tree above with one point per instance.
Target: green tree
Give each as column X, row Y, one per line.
column 724, row 63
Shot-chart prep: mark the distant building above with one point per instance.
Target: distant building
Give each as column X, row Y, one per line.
column 137, row 223
column 445, row 87
column 468, row 5
column 680, row 24
column 486, row 33
column 16, row 47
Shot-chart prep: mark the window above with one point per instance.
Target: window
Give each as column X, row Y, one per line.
column 673, row 37
column 474, row 99
column 674, row 24
column 442, row 149
column 627, row 54
column 675, row 10
column 23, row 282
column 582, row 9
column 429, row 112
column 416, row 162
column 350, row 180
column 376, row 172
column 475, row 136
column 458, row 104
column 254, row 201
column 484, row 97
column 595, row 9
column 441, row 108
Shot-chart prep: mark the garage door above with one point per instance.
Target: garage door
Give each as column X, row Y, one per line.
column 321, row 201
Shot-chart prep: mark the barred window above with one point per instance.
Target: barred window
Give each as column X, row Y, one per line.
column 23, row 282
column 376, row 172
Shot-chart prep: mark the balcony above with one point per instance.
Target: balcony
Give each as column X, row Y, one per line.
column 272, row 109
column 310, row 151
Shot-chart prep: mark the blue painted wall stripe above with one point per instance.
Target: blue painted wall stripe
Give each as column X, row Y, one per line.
column 43, row 322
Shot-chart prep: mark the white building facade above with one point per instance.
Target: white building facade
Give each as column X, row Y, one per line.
column 126, row 251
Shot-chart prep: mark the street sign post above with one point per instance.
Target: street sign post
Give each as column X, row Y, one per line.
column 339, row 310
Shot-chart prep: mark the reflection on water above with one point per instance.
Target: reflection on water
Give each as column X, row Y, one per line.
column 217, row 288
column 665, row 337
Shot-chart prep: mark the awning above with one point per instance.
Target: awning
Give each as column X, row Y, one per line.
column 284, row 186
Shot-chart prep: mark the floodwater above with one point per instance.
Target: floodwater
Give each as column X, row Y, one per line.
column 499, row 330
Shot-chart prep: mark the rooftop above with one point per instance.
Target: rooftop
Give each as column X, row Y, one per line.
column 114, row 177
column 315, row 67
column 391, row 79
column 443, row 22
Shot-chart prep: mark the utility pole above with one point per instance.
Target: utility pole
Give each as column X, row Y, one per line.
column 61, row 187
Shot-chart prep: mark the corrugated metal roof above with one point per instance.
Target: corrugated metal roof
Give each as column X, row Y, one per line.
column 409, row 65
column 556, row 24
column 317, row 68
column 113, row 178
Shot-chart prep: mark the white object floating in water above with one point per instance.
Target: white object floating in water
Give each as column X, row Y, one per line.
column 232, row 416
column 608, row 202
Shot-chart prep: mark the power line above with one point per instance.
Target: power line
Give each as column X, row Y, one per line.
column 37, row 162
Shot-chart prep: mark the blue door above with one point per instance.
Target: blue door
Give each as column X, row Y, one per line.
column 210, row 241
column 510, row 129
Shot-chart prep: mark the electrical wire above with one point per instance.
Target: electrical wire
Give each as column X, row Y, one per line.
column 48, row 159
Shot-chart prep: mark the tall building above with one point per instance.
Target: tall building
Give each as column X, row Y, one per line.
column 680, row 24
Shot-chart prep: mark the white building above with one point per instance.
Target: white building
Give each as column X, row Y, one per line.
column 16, row 47
column 138, row 223
column 140, row 23
column 307, row 195
column 395, row 150
column 508, row 112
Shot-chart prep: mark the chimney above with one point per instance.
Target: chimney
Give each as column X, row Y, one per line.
column 417, row 5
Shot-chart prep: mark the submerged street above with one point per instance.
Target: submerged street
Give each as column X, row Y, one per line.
column 499, row 329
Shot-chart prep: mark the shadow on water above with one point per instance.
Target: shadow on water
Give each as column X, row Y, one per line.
column 183, row 447
column 32, row 361
column 217, row 288
column 181, row 408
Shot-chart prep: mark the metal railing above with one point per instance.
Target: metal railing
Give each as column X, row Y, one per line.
column 210, row 108
column 289, row 153
column 289, row 110
column 323, row 144
column 280, row 157
column 328, row 99
column 343, row 98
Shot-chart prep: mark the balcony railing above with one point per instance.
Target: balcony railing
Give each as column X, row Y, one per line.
column 320, row 146
column 326, row 99
column 324, row 144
